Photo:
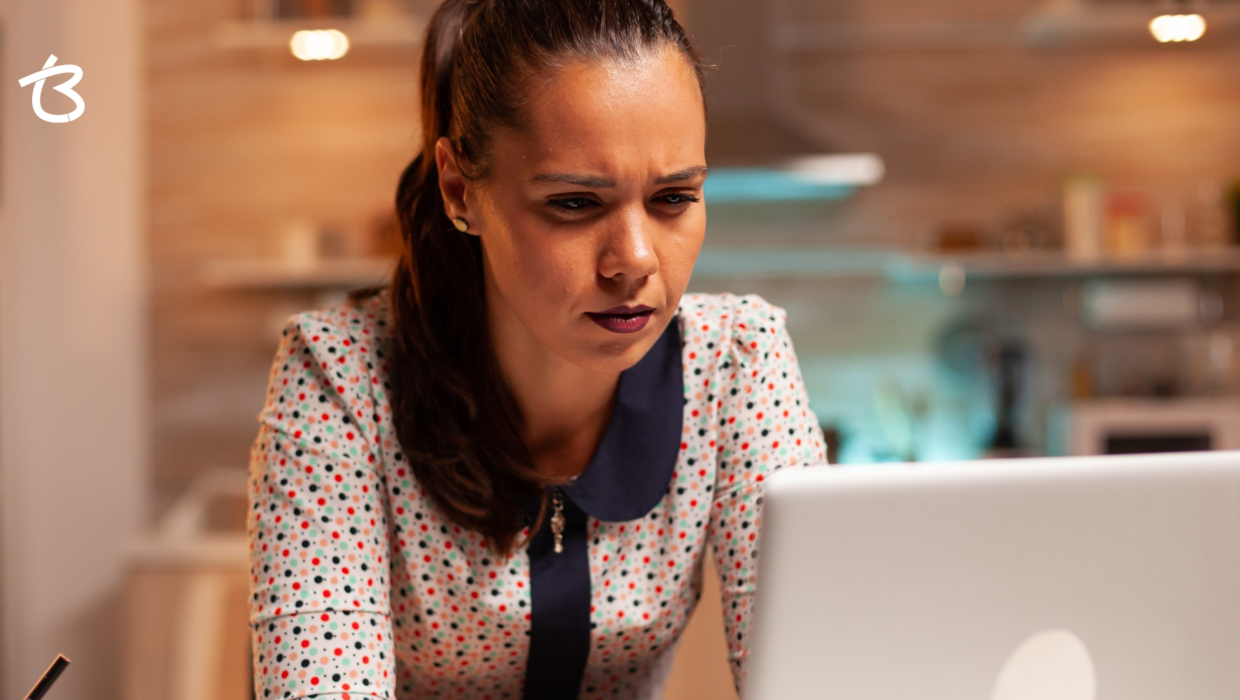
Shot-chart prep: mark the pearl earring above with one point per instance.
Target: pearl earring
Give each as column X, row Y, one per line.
column 460, row 224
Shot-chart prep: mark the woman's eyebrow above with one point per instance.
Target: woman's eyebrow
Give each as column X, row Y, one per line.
column 682, row 175
column 580, row 180
column 598, row 182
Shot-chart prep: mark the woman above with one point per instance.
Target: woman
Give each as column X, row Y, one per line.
column 497, row 478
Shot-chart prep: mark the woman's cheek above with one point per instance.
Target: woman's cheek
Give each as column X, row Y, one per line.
column 677, row 263
column 550, row 276
column 570, row 266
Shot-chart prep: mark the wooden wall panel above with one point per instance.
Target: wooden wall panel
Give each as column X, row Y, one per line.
column 241, row 142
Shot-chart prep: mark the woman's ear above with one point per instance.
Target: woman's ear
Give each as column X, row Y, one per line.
column 452, row 184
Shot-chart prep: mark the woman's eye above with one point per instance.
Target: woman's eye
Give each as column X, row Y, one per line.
column 680, row 199
column 571, row 203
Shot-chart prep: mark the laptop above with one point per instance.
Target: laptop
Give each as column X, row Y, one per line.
column 1075, row 578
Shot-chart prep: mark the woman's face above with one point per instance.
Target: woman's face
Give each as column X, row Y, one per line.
column 592, row 217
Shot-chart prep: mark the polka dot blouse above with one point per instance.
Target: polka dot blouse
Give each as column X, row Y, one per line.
column 362, row 589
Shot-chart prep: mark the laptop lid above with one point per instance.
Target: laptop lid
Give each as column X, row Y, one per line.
column 1114, row 577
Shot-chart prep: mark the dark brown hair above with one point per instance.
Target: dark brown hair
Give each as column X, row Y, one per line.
column 457, row 422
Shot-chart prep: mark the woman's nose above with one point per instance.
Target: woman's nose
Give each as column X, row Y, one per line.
column 628, row 250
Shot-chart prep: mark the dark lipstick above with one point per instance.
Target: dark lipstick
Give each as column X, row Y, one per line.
column 623, row 319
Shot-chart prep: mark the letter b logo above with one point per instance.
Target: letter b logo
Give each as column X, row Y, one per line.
column 65, row 88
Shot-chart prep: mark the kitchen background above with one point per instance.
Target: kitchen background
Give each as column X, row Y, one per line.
column 999, row 227
column 902, row 292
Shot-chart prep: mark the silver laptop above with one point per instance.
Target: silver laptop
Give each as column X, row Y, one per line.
column 1080, row 578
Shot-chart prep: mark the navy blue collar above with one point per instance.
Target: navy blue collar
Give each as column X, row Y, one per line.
column 633, row 465
column 627, row 477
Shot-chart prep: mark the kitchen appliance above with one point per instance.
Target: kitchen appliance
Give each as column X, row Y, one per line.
column 187, row 592
column 1132, row 425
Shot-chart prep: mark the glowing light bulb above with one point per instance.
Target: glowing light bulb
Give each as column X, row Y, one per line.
column 319, row 44
column 1178, row 28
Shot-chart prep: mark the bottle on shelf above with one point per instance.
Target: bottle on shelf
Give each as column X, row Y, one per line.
column 1084, row 217
column 1214, row 230
column 1172, row 227
column 1127, row 225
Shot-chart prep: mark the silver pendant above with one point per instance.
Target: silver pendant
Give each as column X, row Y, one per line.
column 557, row 520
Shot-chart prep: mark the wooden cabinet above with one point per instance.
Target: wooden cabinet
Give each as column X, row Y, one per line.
column 187, row 635
column 700, row 670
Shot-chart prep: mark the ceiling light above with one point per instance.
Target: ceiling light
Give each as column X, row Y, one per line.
column 319, row 44
column 1178, row 28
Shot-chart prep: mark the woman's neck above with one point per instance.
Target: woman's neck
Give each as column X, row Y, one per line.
column 564, row 417
column 565, row 409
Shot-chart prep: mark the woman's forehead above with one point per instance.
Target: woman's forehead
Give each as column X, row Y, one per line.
column 612, row 115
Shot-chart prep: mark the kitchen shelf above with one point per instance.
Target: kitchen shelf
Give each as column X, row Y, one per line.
column 910, row 266
column 893, row 265
column 1058, row 264
column 274, row 275
column 725, row 263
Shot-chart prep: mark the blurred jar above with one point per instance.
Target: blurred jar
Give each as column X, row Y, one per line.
column 1128, row 225
column 299, row 243
column 1083, row 217
column 1213, row 219
column 1211, row 361
column 1172, row 226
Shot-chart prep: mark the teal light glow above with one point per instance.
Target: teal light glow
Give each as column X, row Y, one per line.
column 768, row 185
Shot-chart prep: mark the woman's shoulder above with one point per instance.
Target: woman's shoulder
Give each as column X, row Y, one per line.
column 359, row 325
column 737, row 316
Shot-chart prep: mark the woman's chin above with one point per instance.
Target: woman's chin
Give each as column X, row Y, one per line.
column 607, row 351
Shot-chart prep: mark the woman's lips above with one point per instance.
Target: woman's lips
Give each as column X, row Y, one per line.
column 623, row 319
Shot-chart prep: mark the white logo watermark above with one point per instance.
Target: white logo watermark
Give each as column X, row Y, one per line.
column 65, row 88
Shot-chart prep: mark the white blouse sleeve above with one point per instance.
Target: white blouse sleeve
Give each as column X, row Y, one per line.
column 319, row 605
column 765, row 424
